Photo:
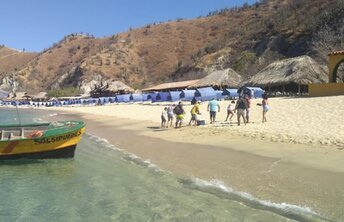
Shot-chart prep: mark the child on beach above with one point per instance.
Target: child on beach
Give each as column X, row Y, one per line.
column 265, row 105
column 170, row 115
column 230, row 110
column 164, row 117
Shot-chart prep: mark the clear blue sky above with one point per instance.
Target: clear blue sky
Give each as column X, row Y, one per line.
column 37, row 24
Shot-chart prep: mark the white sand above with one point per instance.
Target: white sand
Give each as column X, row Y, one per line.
column 298, row 120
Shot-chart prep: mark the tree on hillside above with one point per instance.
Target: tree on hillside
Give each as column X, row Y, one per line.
column 330, row 34
column 330, row 37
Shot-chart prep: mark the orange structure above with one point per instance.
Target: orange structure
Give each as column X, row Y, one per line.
column 332, row 88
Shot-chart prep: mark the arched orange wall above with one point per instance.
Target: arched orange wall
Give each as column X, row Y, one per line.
column 334, row 60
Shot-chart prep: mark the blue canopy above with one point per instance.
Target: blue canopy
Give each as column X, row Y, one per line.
column 205, row 94
column 123, row 98
column 173, row 96
column 254, row 92
column 145, row 97
column 162, row 96
column 231, row 93
column 219, row 94
column 187, row 94
column 136, row 97
column 104, row 100
column 152, row 96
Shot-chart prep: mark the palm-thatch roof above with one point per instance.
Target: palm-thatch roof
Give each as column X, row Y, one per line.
column 301, row 70
column 116, row 86
column 219, row 79
column 171, row 85
column 337, row 53
column 21, row 96
column 40, row 95
column 110, row 88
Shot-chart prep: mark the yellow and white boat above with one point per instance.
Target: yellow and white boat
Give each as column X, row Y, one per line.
column 40, row 140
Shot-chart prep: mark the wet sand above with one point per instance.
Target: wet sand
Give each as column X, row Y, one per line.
column 304, row 175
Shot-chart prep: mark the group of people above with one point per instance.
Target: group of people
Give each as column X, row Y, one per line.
column 241, row 107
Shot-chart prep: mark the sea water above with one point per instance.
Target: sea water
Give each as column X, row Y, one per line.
column 104, row 183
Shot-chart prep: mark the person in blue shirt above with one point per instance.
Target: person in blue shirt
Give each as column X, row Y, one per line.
column 213, row 106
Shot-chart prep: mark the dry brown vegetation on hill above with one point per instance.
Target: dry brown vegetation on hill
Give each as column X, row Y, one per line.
column 246, row 39
column 11, row 60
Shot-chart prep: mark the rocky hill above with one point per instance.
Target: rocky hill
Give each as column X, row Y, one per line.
column 245, row 39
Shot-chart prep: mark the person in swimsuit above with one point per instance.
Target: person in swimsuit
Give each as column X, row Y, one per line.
column 265, row 105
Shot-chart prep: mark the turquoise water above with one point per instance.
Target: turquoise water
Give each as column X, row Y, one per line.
column 103, row 183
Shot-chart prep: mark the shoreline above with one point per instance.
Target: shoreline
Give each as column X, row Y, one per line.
column 303, row 175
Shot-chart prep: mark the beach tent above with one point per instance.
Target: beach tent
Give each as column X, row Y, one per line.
column 152, row 96
column 253, row 92
column 136, row 97
column 125, row 98
column 112, row 99
column 231, row 93
column 219, row 95
column 205, row 94
column 162, row 96
column 173, row 96
column 145, row 97
column 104, row 100
column 187, row 95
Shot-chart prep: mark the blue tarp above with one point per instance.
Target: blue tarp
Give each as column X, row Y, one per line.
column 104, row 100
column 187, row 95
column 173, row 96
column 219, row 95
column 162, row 96
column 145, row 97
column 205, row 94
column 253, row 92
column 123, row 98
column 152, row 96
column 136, row 97
column 231, row 93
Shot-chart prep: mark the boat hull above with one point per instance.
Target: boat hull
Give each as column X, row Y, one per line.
column 66, row 152
column 58, row 142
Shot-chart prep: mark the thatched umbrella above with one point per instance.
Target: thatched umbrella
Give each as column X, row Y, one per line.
column 110, row 88
column 117, row 86
column 40, row 96
column 219, row 79
column 300, row 71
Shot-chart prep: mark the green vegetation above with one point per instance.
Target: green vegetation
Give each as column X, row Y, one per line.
column 244, row 59
column 64, row 92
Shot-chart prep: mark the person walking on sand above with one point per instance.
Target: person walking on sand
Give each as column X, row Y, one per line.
column 179, row 111
column 230, row 110
column 265, row 105
column 241, row 107
column 194, row 112
column 164, row 117
column 248, row 102
column 213, row 106
column 170, row 115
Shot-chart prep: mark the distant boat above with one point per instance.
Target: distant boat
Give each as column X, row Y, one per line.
column 40, row 140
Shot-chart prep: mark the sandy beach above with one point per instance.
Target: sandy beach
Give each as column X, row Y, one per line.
column 295, row 158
